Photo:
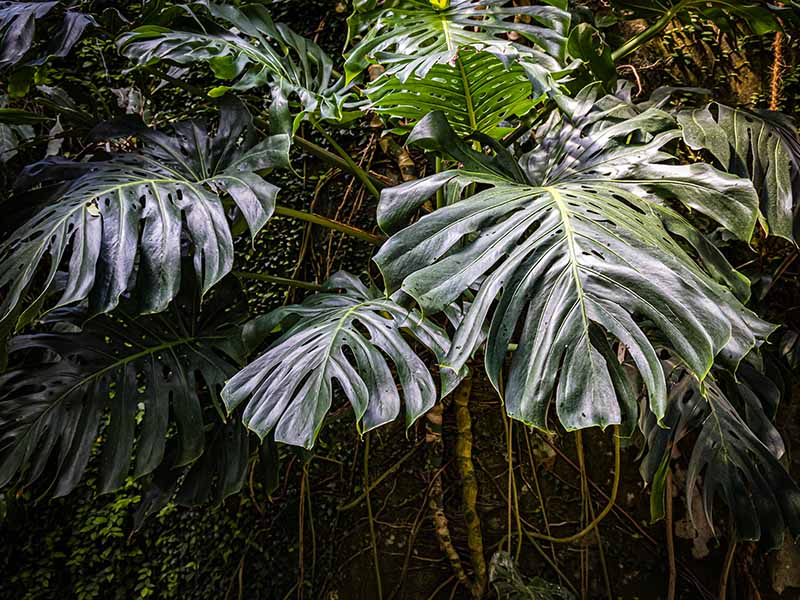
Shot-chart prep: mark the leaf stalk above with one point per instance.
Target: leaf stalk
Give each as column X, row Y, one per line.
column 330, row 224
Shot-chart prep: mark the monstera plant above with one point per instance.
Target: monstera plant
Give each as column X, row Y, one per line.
column 565, row 243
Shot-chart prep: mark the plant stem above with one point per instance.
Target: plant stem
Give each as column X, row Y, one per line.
column 433, row 440
column 542, row 505
column 726, row 570
column 685, row 571
column 360, row 173
column 469, row 486
column 301, row 550
column 525, row 124
column 586, row 502
column 330, row 157
column 373, row 541
column 673, row 572
column 646, row 35
column 440, row 199
column 330, row 224
column 562, row 577
column 279, row 280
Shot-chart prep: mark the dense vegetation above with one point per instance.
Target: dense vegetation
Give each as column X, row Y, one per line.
column 233, row 254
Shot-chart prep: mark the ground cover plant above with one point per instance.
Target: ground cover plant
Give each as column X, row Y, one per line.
column 549, row 234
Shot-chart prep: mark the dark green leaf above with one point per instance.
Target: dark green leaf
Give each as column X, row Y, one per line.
column 18, row 31
column 763, row 146
column 124, row 218
column 476, row 94
column 583, row 243
column 345, row 337
column 734, row 458
column 409, row 37
column 588, row 45
column 756, row 17
column 251, row 50
column 137, row 386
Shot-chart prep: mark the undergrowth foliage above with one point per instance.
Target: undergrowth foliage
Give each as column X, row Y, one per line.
column 567, row 240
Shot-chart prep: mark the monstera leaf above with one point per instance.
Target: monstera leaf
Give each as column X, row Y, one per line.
column 476, row 94
column 343, row 336
column 578, row 247
column 409, row 37
column 18, row 29
column 736, row 453
column 250, row 51
column 763, row 146
column 140, row 390
column 126, row 216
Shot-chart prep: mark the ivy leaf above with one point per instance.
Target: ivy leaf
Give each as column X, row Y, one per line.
column 343, row 336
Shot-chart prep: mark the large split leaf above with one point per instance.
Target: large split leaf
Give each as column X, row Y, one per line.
column 763, row 146
column 138, row 390
column 343, row 336
column 476, row 94
column 18, row 31
column 579, row 247
column 735, row 457
column 119, row 223
column 409, row 37
column 250, row 51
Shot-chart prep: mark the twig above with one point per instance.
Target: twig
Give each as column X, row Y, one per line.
column 353, row 167
column 413, row 536
column 685, row 570
column 539, row 492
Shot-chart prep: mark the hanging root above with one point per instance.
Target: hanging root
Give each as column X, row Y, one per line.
column 433, row 437
column 777, row 66
column 469, row 487
column 596, row 521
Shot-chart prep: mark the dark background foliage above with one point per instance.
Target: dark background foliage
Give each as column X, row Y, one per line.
column 250, row 546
